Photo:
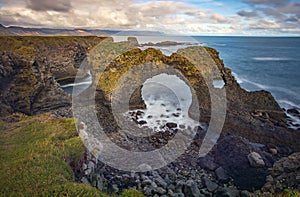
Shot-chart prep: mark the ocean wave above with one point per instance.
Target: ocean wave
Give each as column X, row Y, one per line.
column 76, row 84
column 286, row 91
column 271, row 58
column 237, row 78
column 219, row 44
column 288, row 104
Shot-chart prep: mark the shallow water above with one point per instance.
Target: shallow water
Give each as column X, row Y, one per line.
column 167, row 100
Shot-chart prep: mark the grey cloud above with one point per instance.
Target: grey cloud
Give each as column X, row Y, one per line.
column 292, row 8
column 273, row 12
column 293, row 19
column 250, row 14
column 264, row 24
column 54, row 5
column 268, row 2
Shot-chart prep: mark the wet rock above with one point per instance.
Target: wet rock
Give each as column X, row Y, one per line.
column 139, row 113
column 142, row 122
column 176, row 115
column 255, row 160
column 171, row 125
column 293, row 112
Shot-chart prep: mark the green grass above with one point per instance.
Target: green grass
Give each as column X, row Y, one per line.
column 34, row 157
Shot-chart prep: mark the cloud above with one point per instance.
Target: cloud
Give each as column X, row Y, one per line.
column 54, row 5
column 250, row 14
column 265, row 24
column 218, row 18
column 268, row 2
column 170, row 16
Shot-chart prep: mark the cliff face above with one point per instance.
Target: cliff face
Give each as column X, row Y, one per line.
column 30, row 68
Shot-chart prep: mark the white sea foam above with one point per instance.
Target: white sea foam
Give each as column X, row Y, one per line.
column 168, row 99
column 238, row 79
column 271, row 58
column 76, row 84
column 288, row 104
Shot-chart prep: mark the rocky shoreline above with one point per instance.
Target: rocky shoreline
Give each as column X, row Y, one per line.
column 256, row 152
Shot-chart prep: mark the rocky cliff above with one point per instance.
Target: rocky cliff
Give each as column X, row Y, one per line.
column 31, row 67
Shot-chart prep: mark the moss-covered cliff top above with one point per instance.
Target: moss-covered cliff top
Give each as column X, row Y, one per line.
column 31, row 46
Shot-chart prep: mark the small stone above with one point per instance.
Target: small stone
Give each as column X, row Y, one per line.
column 179, row 186
column 222, row 175
column 139, row 113
column 160, row 190
column 245, row 193
column 227, row 192
column 84, row 180
column 207, row 163
column 171, row 125
column 161, row 182
column 211, row 186
column 99, row 182
column 178, row 195
column 142, row 122
column 146, row 182
column 176, row 115
column 273, row 151
column 147, row 191
column 115, row 188
column 255, row 160
column 269, row 178
column 191, row 189
column 294, row 112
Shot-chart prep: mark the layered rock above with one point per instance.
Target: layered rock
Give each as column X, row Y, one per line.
column 30, row 68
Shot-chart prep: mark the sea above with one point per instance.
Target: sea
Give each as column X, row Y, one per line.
column 258, row 63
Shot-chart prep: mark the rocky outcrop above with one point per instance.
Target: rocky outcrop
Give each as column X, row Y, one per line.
column 284, row 174
column 30, row 68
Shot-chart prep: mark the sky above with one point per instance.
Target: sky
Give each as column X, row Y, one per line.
column 188, row 17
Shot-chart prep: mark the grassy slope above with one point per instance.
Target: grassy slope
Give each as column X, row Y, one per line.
column 34, row 156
